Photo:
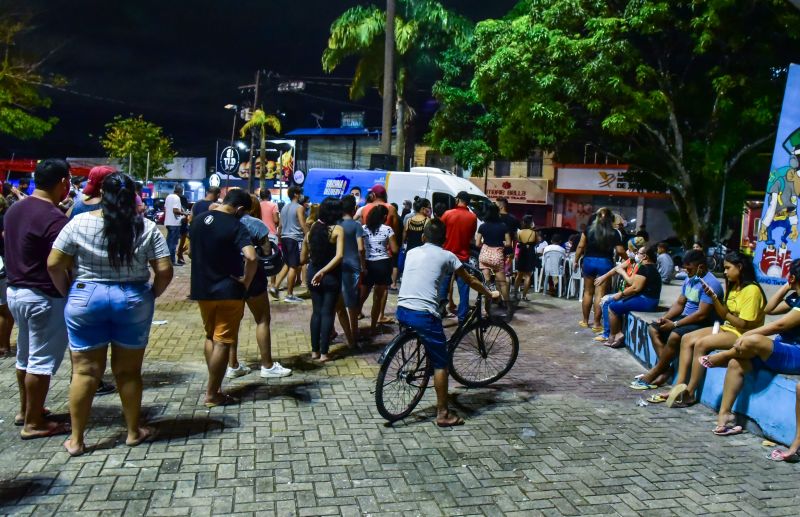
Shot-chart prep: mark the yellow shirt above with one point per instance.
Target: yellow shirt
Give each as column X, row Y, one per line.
column 748, row 304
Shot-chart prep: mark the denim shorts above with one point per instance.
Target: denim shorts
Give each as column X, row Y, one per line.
column 596, row 266
column 350, row 287
column 430, row 331
column 3, row 288
column 100, row 313
column 785, row 358
column 42, row 338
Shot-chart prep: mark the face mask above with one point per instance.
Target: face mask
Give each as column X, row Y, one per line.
column 631, row 255
column 637, row 258
column 358, row 198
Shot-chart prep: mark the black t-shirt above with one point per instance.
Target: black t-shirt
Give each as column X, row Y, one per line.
column 652, row 284
column 200, row 207
column 593, row 248
column 494, row 234
column 217, row 240
column 512, row 224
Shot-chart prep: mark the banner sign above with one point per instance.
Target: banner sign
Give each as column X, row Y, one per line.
column 280, row 161
column 528, row 191
column 592, row 179
column 322, row 183
column 777, row 233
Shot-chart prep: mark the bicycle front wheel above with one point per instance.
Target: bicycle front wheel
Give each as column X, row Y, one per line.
column 484, row 354
column 403, row 378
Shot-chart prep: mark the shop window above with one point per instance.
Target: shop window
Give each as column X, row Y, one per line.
column 502, row 168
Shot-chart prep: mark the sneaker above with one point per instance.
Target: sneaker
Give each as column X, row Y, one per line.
column 292, row 299
column 273, row 292
column 305, row 295
column 105, row 388
column 177, row 264
column 232, row 373
column 276, row 371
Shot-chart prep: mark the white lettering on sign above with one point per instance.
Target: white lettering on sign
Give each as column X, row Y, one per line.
column 335, row 187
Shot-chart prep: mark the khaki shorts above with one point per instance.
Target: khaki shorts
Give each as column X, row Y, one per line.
column 221, row 319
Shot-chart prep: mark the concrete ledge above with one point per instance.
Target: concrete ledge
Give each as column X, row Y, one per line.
column 767, row 398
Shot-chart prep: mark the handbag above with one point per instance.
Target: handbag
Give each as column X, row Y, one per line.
column 272, row 263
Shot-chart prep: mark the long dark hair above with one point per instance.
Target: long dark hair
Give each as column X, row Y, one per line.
column 330, row 212
column 747, row 274
column 492, row 214
column 122, row 225
column 376, row 217
column 602, row 229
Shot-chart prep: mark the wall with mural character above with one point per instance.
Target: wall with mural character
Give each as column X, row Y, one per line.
column 777, row 233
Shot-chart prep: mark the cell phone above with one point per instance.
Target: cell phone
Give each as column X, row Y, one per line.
column 655, row 324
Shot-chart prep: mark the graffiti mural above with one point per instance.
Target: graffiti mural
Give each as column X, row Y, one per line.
column 777, row 232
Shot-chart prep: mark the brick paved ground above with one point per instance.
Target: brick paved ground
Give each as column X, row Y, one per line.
column 561, row 435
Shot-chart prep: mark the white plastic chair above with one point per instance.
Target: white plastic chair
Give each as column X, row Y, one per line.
column 553, row 267
column 575, row 279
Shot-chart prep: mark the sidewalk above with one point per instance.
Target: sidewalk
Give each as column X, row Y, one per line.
column 560, row 435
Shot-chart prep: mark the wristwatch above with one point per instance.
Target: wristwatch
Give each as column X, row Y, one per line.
column 676, row 323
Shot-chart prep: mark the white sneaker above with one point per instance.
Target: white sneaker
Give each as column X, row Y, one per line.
column 232, row 373
column 276, row 371
column 292, row 299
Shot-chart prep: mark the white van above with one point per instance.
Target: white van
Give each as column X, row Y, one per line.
column 436, row 185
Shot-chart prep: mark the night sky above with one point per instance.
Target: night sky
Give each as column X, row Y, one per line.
column 179, row 62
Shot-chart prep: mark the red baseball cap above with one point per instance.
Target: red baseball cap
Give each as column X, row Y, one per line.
column 96, row 177
column 378, row 190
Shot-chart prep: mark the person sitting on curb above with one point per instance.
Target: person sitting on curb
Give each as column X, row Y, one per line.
column 755, row 349
column 642, row 294
column 427, row 267
column 631, row 266
column 742, row 310
column 691, row 311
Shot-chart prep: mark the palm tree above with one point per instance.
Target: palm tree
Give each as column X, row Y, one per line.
column 258, row 124
column 424, row 29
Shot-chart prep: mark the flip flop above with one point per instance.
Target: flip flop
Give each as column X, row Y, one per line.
column 21, row 421
column 597, row 330
column 227, row 400
column 656, row 398
column 674, row 393
column 639, row 384
column 147, row 436
column 583, row 324
column 600, row 338
column 727, row 430
column 61, row 428
column 458, row 421
column 78, row 452
column 778, row 455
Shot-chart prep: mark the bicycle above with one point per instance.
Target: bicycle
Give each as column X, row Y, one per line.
column 481, row 351
column 716, row 256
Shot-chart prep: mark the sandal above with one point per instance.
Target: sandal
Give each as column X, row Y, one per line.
column 597, row 330
column 779, row 455
column 656, row 398
column 583, row 324
column 639, row 384
column 456, row 422
column 601, row 338
column 60, row 428
column 677, row 391
column 227, row 400
column 727, row 430
column 74, row 452
column 146, row 434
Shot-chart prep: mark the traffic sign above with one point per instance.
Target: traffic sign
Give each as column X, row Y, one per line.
column 229, row 160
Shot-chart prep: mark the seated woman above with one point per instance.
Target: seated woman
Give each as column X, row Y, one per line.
column 754, row 349
column 642, row 293
column 742, row 310
column 631, row 266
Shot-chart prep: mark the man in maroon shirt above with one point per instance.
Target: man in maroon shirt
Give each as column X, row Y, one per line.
column 461, row 227
column 31, row 226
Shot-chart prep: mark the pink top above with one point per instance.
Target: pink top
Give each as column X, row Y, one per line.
column 268, row 211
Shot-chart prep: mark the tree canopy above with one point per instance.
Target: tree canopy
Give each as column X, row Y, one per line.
column 682, row 90
column 20, row 101
column 133, row 142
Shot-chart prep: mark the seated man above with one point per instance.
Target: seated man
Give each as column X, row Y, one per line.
column 756, row 350
column 666, row 267
column 693, row 310
column 417, row 306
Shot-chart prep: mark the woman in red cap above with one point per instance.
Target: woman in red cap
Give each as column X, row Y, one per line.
column 89, row 201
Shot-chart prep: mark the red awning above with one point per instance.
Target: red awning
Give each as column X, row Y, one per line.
column 29, row 165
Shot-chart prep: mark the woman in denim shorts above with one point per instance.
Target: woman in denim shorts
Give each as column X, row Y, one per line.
column 597, row 248
column 110, row 252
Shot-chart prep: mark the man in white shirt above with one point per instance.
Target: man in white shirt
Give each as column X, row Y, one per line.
column 555, row 245
column 173, row 215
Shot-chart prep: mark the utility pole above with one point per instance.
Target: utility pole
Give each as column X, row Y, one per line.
column 251, row 177
column 388, row 80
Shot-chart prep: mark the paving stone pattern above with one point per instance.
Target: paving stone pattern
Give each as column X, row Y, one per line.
column 561, row 435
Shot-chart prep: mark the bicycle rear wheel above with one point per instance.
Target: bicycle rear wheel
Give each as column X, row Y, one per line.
column 403, row 378
column 484, row 354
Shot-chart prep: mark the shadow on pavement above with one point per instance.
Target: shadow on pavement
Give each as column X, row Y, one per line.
column 155, row 379
column 254, row 391
column 13, row 490
column 185, row 427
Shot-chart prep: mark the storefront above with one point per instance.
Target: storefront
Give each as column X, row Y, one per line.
column 583, row 189
column 526, row 196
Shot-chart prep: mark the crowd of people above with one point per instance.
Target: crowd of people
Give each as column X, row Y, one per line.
column 82, row 271
column 709, row 325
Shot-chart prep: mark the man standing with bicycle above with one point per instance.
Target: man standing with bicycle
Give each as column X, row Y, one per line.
column 418, row 306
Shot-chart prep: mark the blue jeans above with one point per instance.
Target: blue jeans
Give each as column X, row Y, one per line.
column 429, row 329
column 101, row 313
column 637, row 303
column 606, row 322
column 173, row 237
column 463, row 294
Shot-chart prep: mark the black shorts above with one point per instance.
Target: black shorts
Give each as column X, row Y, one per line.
column 379, row 272
column 291, row 251
column 685, row 329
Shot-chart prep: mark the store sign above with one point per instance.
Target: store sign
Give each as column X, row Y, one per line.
column 528, row 191
column 594, row 180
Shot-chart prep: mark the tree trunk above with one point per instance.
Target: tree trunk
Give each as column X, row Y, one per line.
column 401, row 133
column 263, row 155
